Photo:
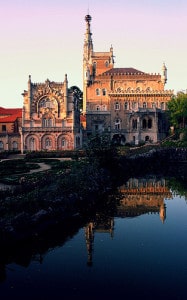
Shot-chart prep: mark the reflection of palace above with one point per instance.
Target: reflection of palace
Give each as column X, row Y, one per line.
column 142, row 196
column 139, row 196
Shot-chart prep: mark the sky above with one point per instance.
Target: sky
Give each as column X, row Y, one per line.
column 44, row 39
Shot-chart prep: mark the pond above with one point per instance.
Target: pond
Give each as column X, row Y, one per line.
column 135, row 250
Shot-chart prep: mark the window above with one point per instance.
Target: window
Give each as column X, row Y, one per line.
column 48, row 143
column 104, row 107
column 1, row 145
column 32, row 144
column 162, row 105
column 97, row 92
column 153, row 105
column 63, row 143
column 144, row 104
column 146, row 138
column 150, row 123
column 133, row 105
column 3, row 127
column 98, row 107
column 117, row 106
column 15, row 145
column 104, row 92
column 47, row 122
column 126, row 105
column 144, row 123
column 134, row 124
column 106, row 63
column 117, row 124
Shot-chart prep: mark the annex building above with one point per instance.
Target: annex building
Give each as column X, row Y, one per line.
column 125, row 103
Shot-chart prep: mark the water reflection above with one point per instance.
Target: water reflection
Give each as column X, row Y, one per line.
column 141, row 258
column 137, row 196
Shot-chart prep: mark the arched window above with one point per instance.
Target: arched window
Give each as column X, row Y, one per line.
column 134, row 123
column 117, row 106
column 15, row 145
column 144, row 123
column 126, row 105
column 144, row 104
column 1, row 145
column 104, row 92
column 63, row 143
column 134, row 104
column 106, row 63
column 117, row 124
column 97, row 92
column 104, row 107
column 32, row 144
column 153, row 105
column 146, row 138
column 94, row 67
column 48, row 143
column 150, row 123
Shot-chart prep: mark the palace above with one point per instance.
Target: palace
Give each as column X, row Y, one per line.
column 126, row 104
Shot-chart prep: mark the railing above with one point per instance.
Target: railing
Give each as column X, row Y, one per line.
column 46, row 129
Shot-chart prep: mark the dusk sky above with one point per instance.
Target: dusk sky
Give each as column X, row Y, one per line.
column 44, row 39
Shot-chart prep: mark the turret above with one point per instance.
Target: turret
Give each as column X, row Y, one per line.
column 66, row 94
column 164, row 74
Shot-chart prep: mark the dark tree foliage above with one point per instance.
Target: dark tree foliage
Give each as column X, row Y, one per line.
column 177, row 107
column 79, row 93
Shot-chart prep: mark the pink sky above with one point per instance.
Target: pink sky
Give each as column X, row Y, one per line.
column 45, row 39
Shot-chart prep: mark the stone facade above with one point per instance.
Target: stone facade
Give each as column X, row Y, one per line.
column 125, row 103
column 51, row 118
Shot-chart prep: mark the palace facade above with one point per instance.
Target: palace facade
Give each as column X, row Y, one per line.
column 125, row 103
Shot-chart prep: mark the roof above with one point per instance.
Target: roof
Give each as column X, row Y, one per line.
column 123, row 71
column 10, row 114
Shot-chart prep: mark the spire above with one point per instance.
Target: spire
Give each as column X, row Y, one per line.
column 88, row 45
column 164, row 74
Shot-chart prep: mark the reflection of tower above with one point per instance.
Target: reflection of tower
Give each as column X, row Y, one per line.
column 100, row 226
column 163, row 212
column 89, row 235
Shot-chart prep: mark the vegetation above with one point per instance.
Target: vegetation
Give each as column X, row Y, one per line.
column 178, row 113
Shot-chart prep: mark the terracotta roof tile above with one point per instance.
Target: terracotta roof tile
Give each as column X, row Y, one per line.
column 123, row 71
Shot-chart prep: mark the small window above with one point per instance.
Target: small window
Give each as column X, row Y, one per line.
column 1, row 145
column 3, row 127
column 97, row 92
column 104, row 107
column 98, row 107
column 117, row 124
column 150, row 123
column 48, row 143
column 146, row 138
column 104, row 92
column 63, row 143
column 144, row 123
column 162, row 105
column 126, row 105
column 144, row 104
column 133, row 105
column 15, row 145
column 106, row 63
column 153, row 105
column 134, row 124
column 117, row 106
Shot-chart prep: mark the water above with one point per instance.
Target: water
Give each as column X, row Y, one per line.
column 138, row 250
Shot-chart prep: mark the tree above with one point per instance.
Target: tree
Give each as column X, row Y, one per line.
column 79, row 93
column 177, row 107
